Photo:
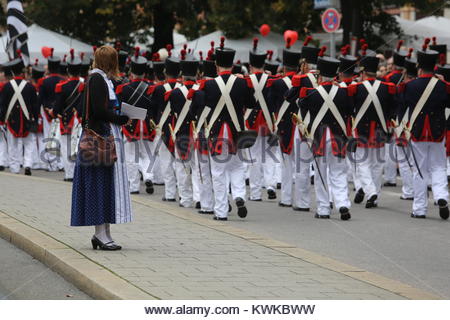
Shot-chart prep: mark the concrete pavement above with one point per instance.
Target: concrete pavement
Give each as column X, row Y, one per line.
column 174, row 253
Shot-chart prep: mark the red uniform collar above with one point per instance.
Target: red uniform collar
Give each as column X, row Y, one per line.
column 189, row 83
column 426, row 76
column 73, row 78
column 326, row 83
column 224, row 73
column 172, row 80
column 54, row 75
column 18, row 78
column 290, row 74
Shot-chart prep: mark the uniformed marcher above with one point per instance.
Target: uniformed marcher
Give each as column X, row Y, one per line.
column 396, row 76
column 427, row 98
column 4, row 161
column 264, row 151
column 374, row 105
column 186, row 160
column 140, row 135
column 227, row 96
column 68, row 109
column 47, row 99
column 159, row 101
column 330, row 109
column 19, row 111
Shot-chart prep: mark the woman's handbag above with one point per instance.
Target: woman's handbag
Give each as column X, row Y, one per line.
column 95, row 149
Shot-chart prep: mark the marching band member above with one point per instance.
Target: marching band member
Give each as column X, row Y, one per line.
column 4, row 161
column 263, row 152
column 330, row 109
column 374, row 105
column 227, row 96
column 164, row 117
column 18, row 110
column 67, row 107
column 139, row 143
column 427, row 98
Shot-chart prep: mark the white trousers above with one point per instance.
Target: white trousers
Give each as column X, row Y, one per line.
column 369, row 169
column 431, row 159
column 20, row 151
column 221, row 165
column 139, row 157
column 333, row 170
column 183, row 174
column 53, row 162
column 351, row 167
column 205, row 186
column 68, row 164
column 296, row 168
column 390, row 164
column 403, row 155
column 3, row 148
column 262, row 167
column 167, row 166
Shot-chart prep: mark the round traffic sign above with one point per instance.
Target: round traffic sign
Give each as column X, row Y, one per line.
column 331, row 20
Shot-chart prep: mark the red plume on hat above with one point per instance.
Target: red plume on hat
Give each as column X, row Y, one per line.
column 210, row 54
column 212, row 43
column 322, row 51
column 364, row 48
column 307, row 40
column 425, row 44
column 169, row 48
column 288, row 43
column 155, row 56
column 269, row 55
column 136, row 51
column 94, row 48
column 65, row 57
column 362, row 41
column 255, row 43
column 36, row 62
column 399, row 44
column 118, row 46
column 183, row 54
column 72, row 54
column 222, row 42
column 185, row 46
column 410, row 51
column 200, row 53
column 51, row 52
column 434, row 41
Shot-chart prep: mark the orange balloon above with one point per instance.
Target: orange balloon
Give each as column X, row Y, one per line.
column 46, row 52
column 292, row 35
column 264, row 29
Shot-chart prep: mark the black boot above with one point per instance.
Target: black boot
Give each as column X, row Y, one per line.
column 242, row 210
column 27, row 171
column 2, row 168
column 345, row 213
column 443, row 209
column 371, row 202
column 149, row 187
column 359, row 196
column 271, row 194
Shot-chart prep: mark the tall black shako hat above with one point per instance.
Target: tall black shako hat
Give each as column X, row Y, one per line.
column 224, row 56
column 17, row 64
column 188, row 64
column 63, row 66
column 327, row 66
column 271, row 65
column 445, row 71
column 138, row 63
column 172, row 64
column 237, row 68
column 368, row 62
column 364, row 49
column 37, row 70
column 291, row 57
column 347, row 62
column 309, row 54
column 6, row 68
column 158, row 66
column 53, row 62
column 399, row 55
column 257, row 57
column 74, row 64
column 426, row 58
column 209, row 65
column 442, row 49
column 410, row 64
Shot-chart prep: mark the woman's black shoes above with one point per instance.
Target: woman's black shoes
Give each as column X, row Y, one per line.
column 109, row 246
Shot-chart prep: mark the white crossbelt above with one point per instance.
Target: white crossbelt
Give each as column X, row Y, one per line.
column 259, row 86
column 285, row 105
column 17, row 97
column 166, row 112
column 371, row 97
column 225, row 100
column 421, row 103
column 312, row 79
column 328, row 104
column 185, row 109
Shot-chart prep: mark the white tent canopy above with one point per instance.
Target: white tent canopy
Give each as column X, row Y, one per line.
column 428, row 27
column 273, row 41
column 39, row 37
column 148, row 40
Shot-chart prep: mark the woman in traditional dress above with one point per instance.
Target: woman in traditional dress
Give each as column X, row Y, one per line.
column 100, row 194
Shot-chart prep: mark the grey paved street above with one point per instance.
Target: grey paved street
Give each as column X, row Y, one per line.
column 24, row 278
column 383, row 240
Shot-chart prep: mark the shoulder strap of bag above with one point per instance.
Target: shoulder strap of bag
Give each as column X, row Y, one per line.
column 423, row 99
